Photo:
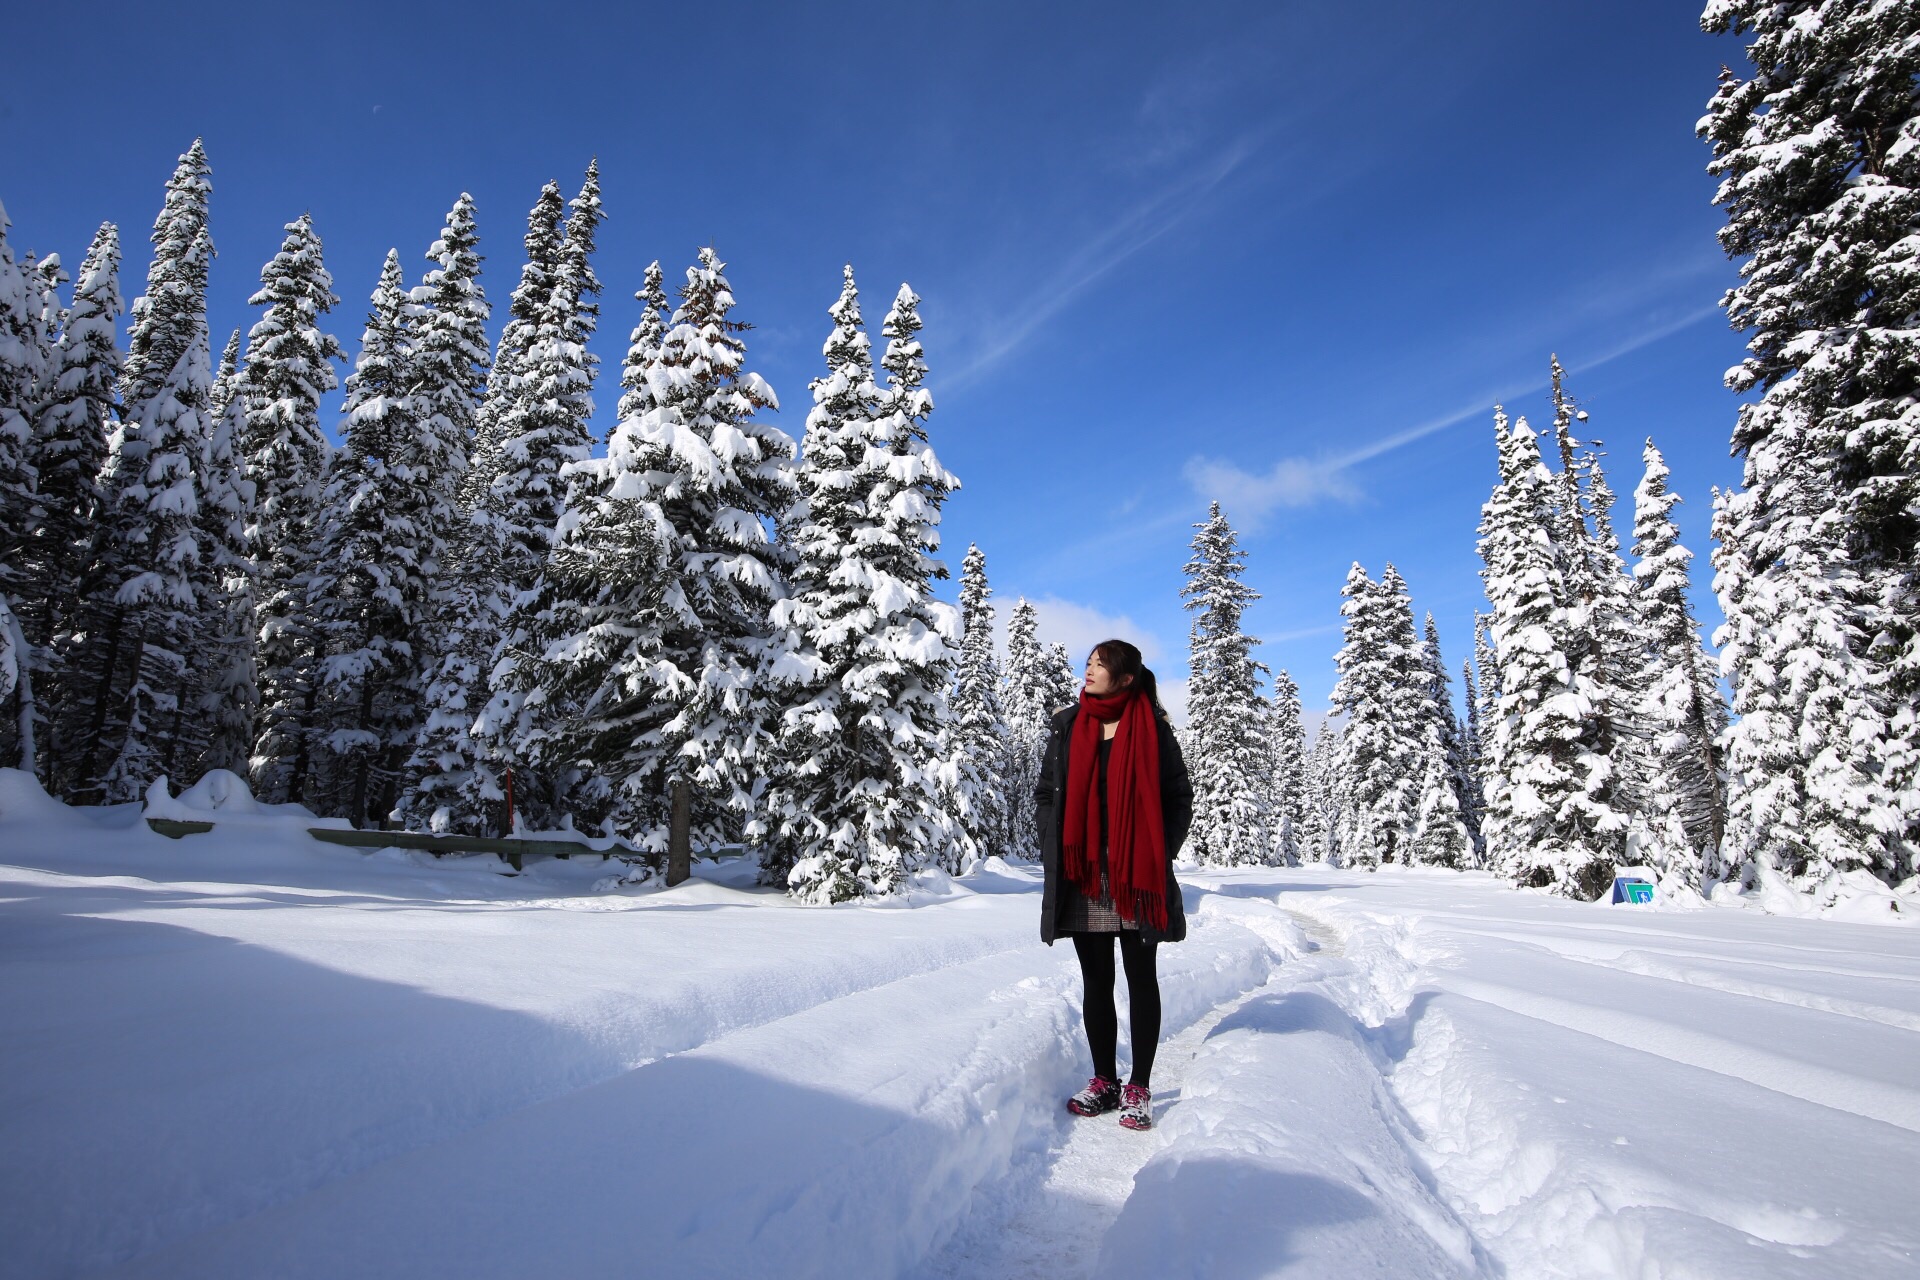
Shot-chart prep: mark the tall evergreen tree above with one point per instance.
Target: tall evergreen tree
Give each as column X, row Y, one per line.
column 1061, row 677
column 1031, row 698
column 1548, row 822
column 176, row 295
column 230, row 692
column 446, row 787
column 1684, row 804
column 1323, row 800
column 1288, row 735
column 367, row 590
column 20, row 516
column 703, row 478
column 1381, row 694
column 857, row 795
column 1820, row 179
column 1226, row 719
column 542, row 431
column 73, row 421
column 978, row 739
column 289, row 367
column 132, row 693
column 527, row 310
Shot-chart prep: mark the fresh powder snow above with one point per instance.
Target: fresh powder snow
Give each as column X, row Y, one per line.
column 250, row 1053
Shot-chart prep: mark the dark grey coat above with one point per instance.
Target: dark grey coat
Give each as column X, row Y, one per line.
column 1050, row 808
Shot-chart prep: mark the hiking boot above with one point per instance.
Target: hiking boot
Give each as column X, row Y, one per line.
column 1136, row 1107
column 1099, row 1097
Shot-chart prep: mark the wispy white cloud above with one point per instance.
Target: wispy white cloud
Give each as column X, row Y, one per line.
column 1292, row 482
column 1303, row 482
column 1139, row 226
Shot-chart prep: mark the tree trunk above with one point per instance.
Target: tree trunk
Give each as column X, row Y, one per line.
column 680, row 833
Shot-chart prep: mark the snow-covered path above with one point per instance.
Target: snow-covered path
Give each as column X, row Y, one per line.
column 247, row 1054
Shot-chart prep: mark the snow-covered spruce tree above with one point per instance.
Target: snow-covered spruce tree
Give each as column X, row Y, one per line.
column 1548, row 824
column 644, row 344
column 1818, row 153
column 289, row 367
column 366, row 590
column 977, row 739
column 135, row 689
column 526, row 312
column 856, row 800
column 1062, row 676
column 69, row 451
column 444, row 788
column 1453, row 735
column 20, row 515
column 695, row 482
column 1684, row 804
column 1381, row 695
column 1473, row 758
column 1441, row 835
column 1226, row 716
column 168, row 319
column 1030, row 701
column 602, row 615
column 453, row 782
column 229, row 689
column 544, row 429
column 153, row 497
column 1288, row 737
column 1598, row 636
column 1322, row 803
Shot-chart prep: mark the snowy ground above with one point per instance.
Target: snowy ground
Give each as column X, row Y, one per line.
column 249, row 1054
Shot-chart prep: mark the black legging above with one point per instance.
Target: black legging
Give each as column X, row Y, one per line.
column 1143, row 1001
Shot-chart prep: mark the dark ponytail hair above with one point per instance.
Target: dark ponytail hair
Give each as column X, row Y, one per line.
column 1123, row 660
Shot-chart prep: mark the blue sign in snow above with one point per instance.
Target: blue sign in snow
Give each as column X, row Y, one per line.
column 1630, row 890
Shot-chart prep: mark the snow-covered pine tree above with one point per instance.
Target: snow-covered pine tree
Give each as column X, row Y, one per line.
column 696, row 482
column 74, row 416
column 367, row 589
column 163, row 317
column 109, row 628
column 153, row 493
column 1226, row 716
column 856, row 798
column 978, row 736
column 1598, row 635
column 289, row 367
column 1546, row 823
column 229, row 690
column 1684, row 804
column 1441, row 836
column 20, row 516
column 1288, row 736
column 1473, row 756
column 543, row 430
column 1382, row 695
column 1453, row 735
column 445, row 787
column 526, row 311
column 1820, row 179
column 1323, row 802
column 1031, row 699
column 134, row 687
column 643, row 344
column 1062, row 677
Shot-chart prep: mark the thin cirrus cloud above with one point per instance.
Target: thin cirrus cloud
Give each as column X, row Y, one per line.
column 1142, row 224
column 1294, row 483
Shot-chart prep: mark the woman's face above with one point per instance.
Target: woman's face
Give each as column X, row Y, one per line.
column 1100, row 681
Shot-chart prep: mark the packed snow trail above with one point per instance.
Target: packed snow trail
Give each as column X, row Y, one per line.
column 246, row 1053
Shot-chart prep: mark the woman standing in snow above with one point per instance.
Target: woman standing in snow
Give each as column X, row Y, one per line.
column 1114, row 803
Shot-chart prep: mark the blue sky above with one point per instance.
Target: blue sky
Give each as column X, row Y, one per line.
column 1276, row 253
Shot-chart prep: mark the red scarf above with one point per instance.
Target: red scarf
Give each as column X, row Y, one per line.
column 1136, row 838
